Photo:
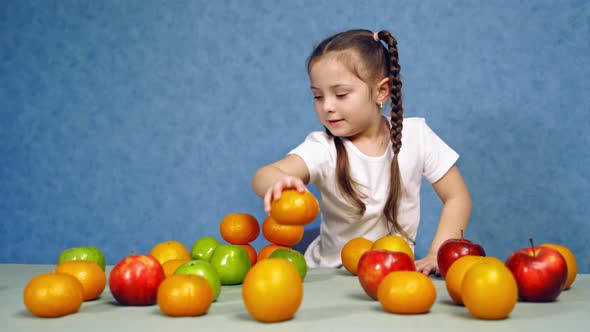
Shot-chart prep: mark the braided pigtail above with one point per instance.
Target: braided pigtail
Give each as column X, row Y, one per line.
column 391, row 208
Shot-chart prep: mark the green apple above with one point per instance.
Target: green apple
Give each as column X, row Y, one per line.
column 204, row 248
column 293, row 256
column 89, row 253
column 204, row 269
column 232, row 262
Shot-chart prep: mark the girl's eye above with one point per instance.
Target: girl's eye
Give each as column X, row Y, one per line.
column 317, row 97
column 342, row 95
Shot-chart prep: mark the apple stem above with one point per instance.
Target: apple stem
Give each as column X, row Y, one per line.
column 132, row 252
column 532, row 244
column 462, row 236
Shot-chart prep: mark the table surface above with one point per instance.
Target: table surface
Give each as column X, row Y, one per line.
column 333, row 301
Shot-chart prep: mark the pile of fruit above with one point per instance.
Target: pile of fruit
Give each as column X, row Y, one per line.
column 486, row 286
column 187, row 283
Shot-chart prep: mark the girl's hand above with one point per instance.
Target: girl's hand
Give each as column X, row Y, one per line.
column 274, row 192
column 428, row 265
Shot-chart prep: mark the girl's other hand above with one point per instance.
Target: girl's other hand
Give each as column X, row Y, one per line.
column 428, row 265
column 274, row 192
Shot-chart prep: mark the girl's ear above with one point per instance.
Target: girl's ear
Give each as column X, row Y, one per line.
column 383, row 90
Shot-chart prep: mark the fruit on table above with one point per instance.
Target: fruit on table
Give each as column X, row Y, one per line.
column 88, row 253
column 205, row 270
column 239, row 228
column 540, row 272
column 406, row 292
column 92, row 278
column 486, row 280
column 231, row 262
column 451, row 249
column 374, row 265
column 456, row 273
column 204, row 247
column 294, row 257
column 168, row 250
column 393, row 243
column 272, row 290
column 295, row 208
column 570, row 259
column 134, row 281
column 352, row 251
column 185, row 295
column 53, row 295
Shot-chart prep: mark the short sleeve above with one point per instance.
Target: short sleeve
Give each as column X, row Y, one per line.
column 438, row 156
column 315, row 152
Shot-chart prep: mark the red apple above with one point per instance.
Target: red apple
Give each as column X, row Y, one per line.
column 135, row 280
column 375, row 264
column 452, row 249
column 540, row 272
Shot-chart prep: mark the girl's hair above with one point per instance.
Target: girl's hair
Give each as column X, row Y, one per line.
column 371, row 62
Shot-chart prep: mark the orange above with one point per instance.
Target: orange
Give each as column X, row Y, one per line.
column 184, row 295
column 489, row 290
column 352, row 251
column 53, row 295
column 251, row 253
column 267, row 250
column 393, row 243
column 171, row 266
column 90, row 275
column 239, row 228
column 406, row 292
column 272, row 290
column 285, row 235
column 456, row 273
column 295, row 208
column 570, row 260
column 168, row 250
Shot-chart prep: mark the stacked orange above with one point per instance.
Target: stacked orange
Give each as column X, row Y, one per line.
column 289, row 214
column 241, row 229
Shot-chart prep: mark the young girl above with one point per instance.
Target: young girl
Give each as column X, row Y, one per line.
column 369, row 182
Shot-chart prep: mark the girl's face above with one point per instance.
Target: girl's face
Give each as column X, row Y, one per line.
column 344, row 103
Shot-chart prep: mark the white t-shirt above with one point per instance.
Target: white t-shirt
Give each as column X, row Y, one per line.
column 422, row 153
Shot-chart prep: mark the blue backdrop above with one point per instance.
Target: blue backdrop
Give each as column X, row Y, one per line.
column 127, row 123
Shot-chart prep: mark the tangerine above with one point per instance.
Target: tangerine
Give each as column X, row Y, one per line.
column 570, row 261
column 456, row 273
column 272, row 290
column 168, row 250
column 53, row 295
column 285, row 235
column 90, row 275
column 406, row 292
column 393, row 243
column 239, row 228
column 486, row 280
column 184, row 295
column 295, row 208
column 352, row 251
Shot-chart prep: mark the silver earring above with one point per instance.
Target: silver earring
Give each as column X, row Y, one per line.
column 380, row 105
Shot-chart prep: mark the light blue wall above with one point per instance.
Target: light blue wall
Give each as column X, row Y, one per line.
column 127, row 123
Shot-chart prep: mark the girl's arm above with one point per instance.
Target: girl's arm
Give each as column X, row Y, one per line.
column 451, row 189
column 269, row 181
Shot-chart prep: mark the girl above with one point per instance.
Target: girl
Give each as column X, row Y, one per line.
column 369, row 182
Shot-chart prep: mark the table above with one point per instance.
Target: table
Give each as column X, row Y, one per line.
column 333, row 301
